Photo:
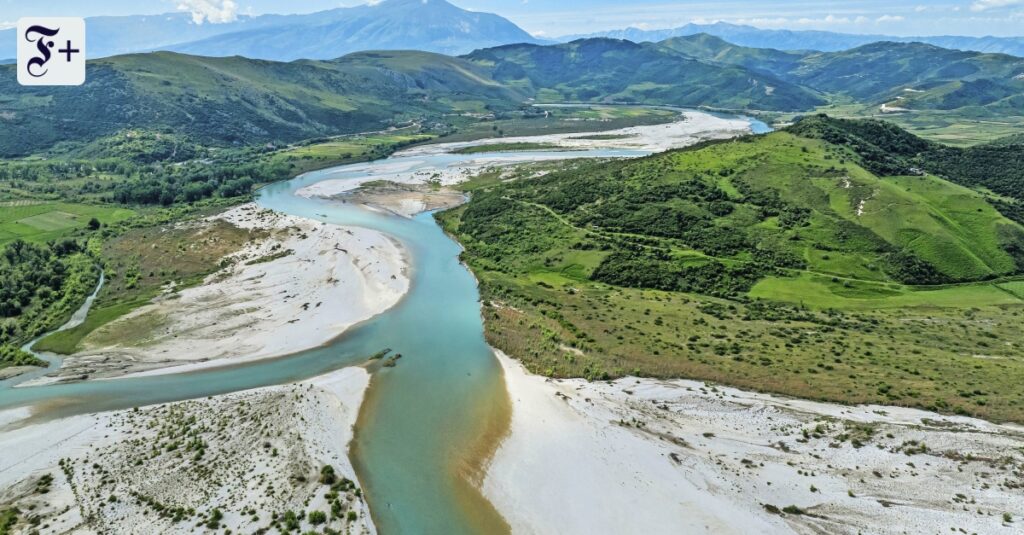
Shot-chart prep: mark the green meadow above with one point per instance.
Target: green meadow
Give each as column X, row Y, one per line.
column 40, row 221
column 344, row 149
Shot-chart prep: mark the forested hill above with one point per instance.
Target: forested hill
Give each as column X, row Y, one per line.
column 904, row 75
column 718, row 218
column 612, row 70
column 885, row 149
column 235, row 100
column 239, row 100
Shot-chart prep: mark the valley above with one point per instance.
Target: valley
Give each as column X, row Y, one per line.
column 406, row 267
column 607, row 328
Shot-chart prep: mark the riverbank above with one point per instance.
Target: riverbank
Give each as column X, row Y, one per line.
column 692, row 127
column 406, row 200
column 238, row 461
column 652, row 456
column 297, row 284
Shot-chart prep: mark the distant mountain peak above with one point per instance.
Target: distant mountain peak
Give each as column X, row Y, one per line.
column 430, row 25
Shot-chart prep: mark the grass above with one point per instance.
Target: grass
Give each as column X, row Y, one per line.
column 8, row 519
column 559, row 120
column 141, row 263
column 506, row 147
column 840, row 330
column 604, row 137
column 67, row 342
column 822, row 292
column 950, row 127
column 611, row 113
column 40, row 221
column 950, row 226
column 924, row 355
column 345, row 149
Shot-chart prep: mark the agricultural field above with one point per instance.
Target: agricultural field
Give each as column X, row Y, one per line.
column 40, row 221
column 776, row 263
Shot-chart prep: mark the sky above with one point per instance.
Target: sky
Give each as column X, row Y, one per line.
column 552, row 18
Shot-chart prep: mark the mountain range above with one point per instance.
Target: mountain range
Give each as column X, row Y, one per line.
column 432, row 26
column 904, row 75
column 240, row 100
column 808, row 39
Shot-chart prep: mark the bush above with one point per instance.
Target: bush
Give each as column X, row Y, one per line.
column 317, row 517
column 327, row 475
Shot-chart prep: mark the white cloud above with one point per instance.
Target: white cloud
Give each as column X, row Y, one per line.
column 828, row 19
column 890, row 18
column 212, row 11
column 764, row 22
column 983, row 5
column 4, row 24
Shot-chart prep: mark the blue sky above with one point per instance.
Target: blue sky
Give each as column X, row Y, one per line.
column 560, row 17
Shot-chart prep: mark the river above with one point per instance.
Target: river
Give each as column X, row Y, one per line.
column 426, row 424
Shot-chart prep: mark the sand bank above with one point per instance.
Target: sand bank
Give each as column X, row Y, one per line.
column 252, row 456
column 298, row 287
column 408, row 166
column 649, row 456
column 405, row 200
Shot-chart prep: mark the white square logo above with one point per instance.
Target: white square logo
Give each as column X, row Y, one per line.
column 51, row 51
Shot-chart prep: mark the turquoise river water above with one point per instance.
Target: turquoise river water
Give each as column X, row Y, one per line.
column 424, row 422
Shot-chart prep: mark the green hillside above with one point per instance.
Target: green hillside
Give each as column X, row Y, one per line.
column 710, row 48
column 779, row 202
column 785, row 262
column 876, row 70
column 611, row 70
column 910, row 76
column 996, row 168
column 1016, row 139
column 228, row 101
column 237, row 100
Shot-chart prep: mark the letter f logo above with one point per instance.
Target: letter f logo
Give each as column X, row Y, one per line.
column 51, row 51
column 37, row 34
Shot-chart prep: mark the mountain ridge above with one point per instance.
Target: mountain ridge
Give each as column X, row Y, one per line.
column 612, row 70
column 433, row 26
column 231, row 100
column 902, row 75
column 227, row 100
column 822, row 41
